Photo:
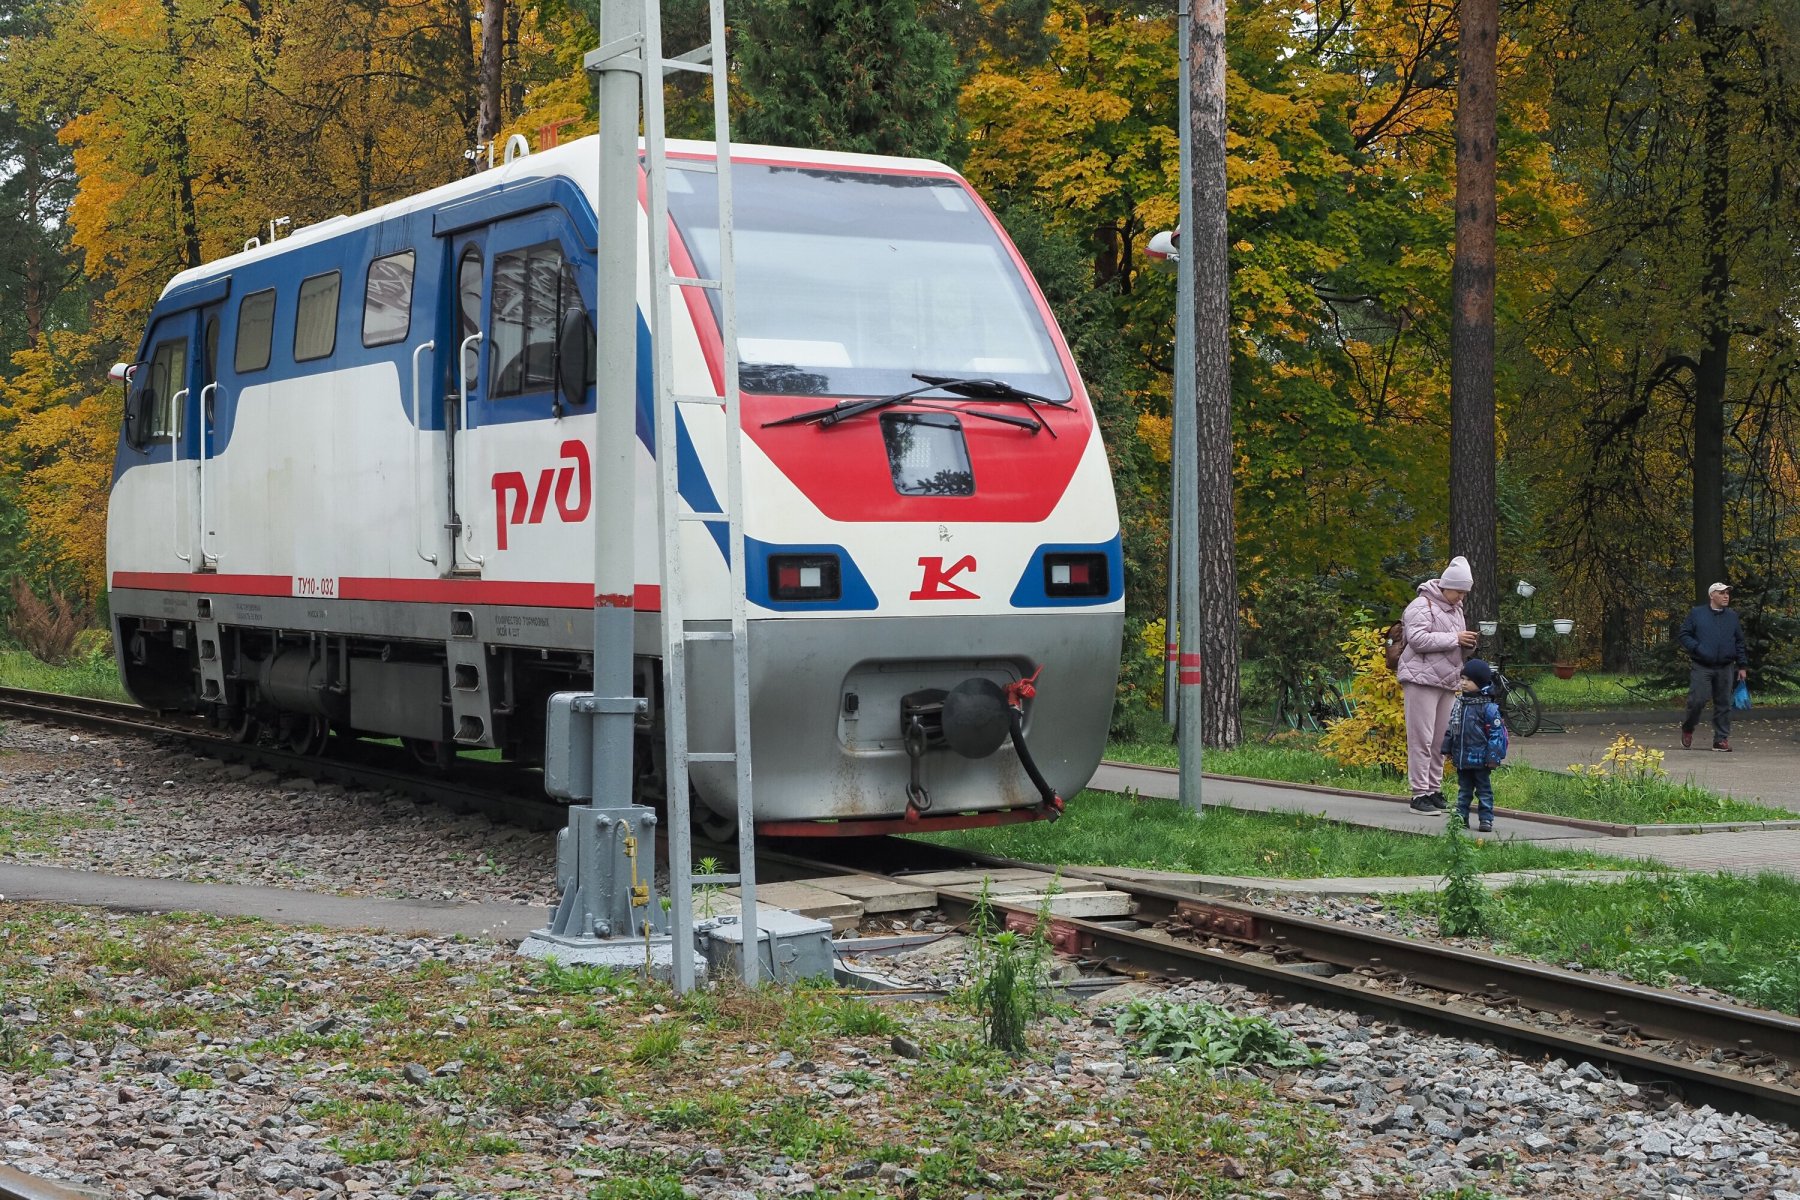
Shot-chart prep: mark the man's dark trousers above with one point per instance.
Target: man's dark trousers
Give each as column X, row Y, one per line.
column 1717, row 682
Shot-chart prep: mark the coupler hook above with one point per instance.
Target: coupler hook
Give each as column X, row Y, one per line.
column 918, row 800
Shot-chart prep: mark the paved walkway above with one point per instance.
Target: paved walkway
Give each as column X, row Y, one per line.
column 61, row 885
column 1764, row 768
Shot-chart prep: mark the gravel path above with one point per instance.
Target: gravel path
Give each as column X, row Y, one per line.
column 156, row 1105
column 307, row 1087
column 128, row 806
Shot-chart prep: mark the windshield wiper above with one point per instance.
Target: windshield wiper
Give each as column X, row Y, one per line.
column 968, row 389
column 989, row 389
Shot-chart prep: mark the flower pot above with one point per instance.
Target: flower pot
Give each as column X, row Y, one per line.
column 1489, row 628
column 1524, row 589
column 1527, row 631
column 1563, row 625
column 1563, row 670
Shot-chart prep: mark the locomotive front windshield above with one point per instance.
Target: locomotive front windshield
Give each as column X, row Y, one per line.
column 848, row 282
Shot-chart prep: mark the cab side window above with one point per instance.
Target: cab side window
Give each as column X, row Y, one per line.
column 255, row 331
column 387, row 300
column 315, row 323
column 533, row 287
column 157, row 416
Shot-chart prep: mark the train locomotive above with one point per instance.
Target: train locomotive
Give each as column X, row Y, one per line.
column 353, row 488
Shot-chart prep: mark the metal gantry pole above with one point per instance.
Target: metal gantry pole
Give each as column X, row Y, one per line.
column 1186, row 455
column 615, row 424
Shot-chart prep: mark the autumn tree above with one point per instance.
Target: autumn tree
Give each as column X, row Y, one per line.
column 1473, row 515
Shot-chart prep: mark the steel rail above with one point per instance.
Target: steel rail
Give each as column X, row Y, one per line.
column 1472, row 981
column 18, row 1185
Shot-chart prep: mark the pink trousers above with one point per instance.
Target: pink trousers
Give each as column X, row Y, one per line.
column 1427, row 720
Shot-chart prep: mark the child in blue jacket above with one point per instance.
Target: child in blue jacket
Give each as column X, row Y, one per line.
column 1476, row 742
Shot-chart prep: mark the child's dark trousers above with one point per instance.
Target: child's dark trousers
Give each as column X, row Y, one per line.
column 1477, row 783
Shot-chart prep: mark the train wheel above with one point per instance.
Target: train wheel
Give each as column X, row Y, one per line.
column 436, row 755
column 308, row 735
column 710, row 825
column 245, row 729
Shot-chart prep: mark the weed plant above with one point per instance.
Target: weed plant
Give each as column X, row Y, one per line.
column 1008, row 973
column 1463, row 903
column 1207, row 1034
column 1105, row 829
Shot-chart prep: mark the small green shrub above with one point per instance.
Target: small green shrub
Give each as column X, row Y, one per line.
column 1007, row 975
column 1207, row 1034
column 1462, row 907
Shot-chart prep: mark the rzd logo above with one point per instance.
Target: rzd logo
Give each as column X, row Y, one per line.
column 939, row 583
column 574, row 476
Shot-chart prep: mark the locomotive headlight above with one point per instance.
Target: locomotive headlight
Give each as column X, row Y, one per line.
column 804, row 577
column 1076, row 575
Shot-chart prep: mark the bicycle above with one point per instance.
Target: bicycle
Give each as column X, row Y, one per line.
column 1306, row 704
column 1519, row 704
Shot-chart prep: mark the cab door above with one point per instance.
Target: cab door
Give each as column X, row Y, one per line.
column 528, row 270
column 464, row 397
column 208, row 402
column 161, row 429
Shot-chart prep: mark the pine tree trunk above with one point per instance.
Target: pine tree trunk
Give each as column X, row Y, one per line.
column 493, row 43
column 1715, row 297
column 1474, row 517
column 1215, row 557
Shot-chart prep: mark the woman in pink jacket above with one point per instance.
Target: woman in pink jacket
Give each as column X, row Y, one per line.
column 1430, row 669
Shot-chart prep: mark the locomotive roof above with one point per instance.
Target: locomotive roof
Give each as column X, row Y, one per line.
column 577, row 160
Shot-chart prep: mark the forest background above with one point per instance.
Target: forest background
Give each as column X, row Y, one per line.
column 1648, row 212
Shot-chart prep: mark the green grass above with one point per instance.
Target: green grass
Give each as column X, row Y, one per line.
column 1526, row 789
column 96, row 677
column 34, row 831
column 1734, row 933
column 1103, row 829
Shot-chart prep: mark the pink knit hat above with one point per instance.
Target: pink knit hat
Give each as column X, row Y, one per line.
column 1457, row 575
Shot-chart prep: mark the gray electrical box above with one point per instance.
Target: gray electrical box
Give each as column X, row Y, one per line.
column 791, row 947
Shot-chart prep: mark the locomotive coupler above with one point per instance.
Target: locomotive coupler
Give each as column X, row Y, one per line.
column 918, row 800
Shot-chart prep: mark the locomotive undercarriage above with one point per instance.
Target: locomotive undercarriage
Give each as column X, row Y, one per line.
column 878, row 691
column 298, row 687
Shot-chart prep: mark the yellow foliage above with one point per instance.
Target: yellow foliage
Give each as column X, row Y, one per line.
column 1374, row 734
column 57, row 433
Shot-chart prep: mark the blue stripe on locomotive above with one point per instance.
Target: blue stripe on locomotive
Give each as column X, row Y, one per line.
column 351, row 253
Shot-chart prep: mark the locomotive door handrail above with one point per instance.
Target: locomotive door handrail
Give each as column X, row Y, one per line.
column 418, row 471
column 459, row 447
column 176, row 402
column 206, row 394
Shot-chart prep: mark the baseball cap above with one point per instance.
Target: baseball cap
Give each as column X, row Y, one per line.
column 1718, row 587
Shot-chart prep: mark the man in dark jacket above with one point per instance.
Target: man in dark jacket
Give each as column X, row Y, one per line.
column 1714, row 641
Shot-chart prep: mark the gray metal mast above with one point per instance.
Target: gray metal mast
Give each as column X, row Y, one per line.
column 677, row 630
column 1185, row 454
column 615, row 436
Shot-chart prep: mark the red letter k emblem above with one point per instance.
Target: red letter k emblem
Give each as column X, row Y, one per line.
column 938, row 583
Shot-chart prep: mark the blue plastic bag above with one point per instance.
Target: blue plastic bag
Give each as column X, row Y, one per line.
column 1740, row 696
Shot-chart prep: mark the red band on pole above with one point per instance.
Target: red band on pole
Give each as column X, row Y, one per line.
column 1172, row 650
column 1190, row 669
column 612, row 601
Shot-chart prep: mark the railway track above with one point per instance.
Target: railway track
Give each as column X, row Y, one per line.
column 1711, row 1053
column 502, row 793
